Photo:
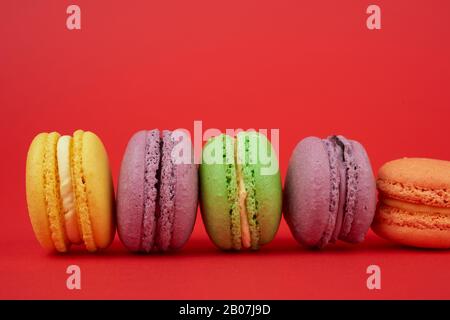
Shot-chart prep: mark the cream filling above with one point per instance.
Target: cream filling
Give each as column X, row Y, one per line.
column 242, row 196
column 66, row 190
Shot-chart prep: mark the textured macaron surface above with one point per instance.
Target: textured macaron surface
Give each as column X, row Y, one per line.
column 186, row 193
column 329, row 191
column 218, row 193
column 130, row 192
column 257, row 161
column 92, row 190
column 307, row 192
column 43, row 199
column 81, row 192
column 417, row 180
column 152, row 158
column 157, row 197
column 236, row 194
column 414, row 202
column 360, row 203
column 334, row 153
column 166, row 193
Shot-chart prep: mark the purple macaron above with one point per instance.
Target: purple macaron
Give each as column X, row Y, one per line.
column 157, row 194
column 329, row 192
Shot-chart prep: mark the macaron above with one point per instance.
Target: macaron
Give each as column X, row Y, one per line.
column 329, row 192
column 414, row 202
column 240, row 191
column 157, row 191
column 70, row 193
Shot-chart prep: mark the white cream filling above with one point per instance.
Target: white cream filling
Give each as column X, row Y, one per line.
column 66, row 190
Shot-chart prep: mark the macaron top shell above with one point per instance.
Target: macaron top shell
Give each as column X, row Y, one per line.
column 360, row 190
column 97, row 182
column 416, row 180
column 148, row 221
column 266, row 180
column 167, row 195
column 46, row 220
column 186, row 201
column 130, row 193
column 365, row 197
column 337, row 181
column 351, row 177
column 218, row 190
column 342, row 193
column 307, row 192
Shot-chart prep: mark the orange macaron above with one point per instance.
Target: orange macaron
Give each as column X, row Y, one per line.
column 414, row 202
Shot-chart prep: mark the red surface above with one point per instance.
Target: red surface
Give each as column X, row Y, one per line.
column 307, row 68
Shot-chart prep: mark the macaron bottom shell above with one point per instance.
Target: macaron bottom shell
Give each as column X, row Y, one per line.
column 416, row 226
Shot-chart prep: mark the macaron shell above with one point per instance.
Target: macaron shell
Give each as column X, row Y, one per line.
column 186, row 200
column 52, row 193
column 342, row 197
column 99, row 189
column 247, row 159
column 35, row 192
column 306, row 193
column 130, row 193
column 166, row 194
column 151, row 192
column 365, row 196
column 80, row 192
column 351, row 178
column 411, row 228
column 267, row 186
column 334, row 222
column 215, row 205
column 418, row 180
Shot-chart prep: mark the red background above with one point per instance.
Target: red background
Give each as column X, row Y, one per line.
column 305, row 67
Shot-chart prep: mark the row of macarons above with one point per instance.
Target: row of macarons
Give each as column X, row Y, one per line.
column 330, row 193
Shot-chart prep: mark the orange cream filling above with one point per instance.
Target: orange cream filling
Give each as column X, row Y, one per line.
column 242, row 196
column 66, row 190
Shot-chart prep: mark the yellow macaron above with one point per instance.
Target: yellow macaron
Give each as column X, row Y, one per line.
column 414, row 206
column 70, row 193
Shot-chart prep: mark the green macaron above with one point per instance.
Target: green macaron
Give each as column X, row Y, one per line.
column 240, row 190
